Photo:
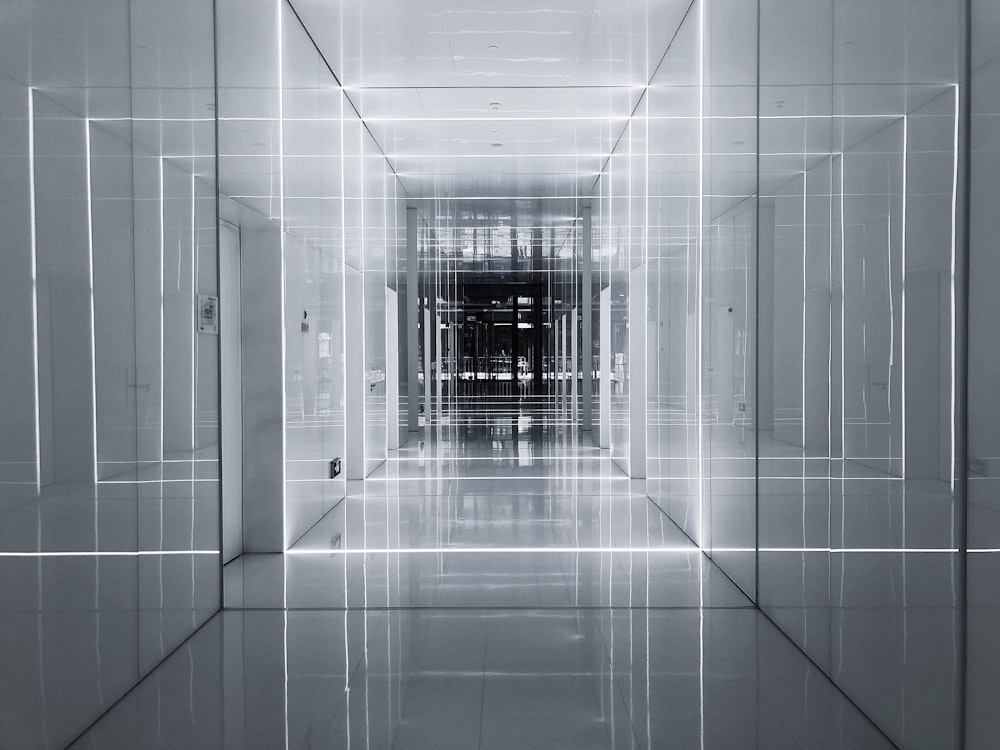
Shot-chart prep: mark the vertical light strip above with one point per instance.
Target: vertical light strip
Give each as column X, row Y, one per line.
column 93, row 317
column 701, row 651
column 163, row 363
column 363, row 364
column 954, row 301
column 281, row 224
column 843, row 313
column 386, row 323
column 34, row 287
column 902, row 311
column 343, row 301
column 698, row 272
column 805, row 250
column 284, row 638
column 194, row 318
column 829, row 340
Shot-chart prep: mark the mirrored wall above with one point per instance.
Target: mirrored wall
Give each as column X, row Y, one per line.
column 796, row 257
column 859, row 520
column 314, row 212
column 983, row 476
column 109, row 434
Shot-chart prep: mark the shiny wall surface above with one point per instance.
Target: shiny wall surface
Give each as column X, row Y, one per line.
column 109, row 447
column 677, row 211
column 295, row 155
column 857, row 450
column 983, row 602
column 802, row 321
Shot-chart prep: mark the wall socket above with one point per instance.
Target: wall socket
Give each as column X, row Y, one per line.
column 977, row 467
column 335, row 467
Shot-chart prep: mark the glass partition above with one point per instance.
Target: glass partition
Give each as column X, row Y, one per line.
column 109, row 439
column 857, row 375
column 983, row 477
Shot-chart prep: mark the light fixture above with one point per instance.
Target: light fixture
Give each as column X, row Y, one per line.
column 495, row 106
column 496, row 145
column 493, row 47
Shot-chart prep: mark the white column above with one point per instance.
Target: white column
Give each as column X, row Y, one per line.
column 412, row 324
column 637, row 371
column 392, row 368
column 605, row 395
column 588, row 320
column 574, row 355
column 354, row 377
column 564, row 361
column 263, row 390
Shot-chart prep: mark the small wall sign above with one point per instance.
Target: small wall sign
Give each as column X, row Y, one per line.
column 208, row 314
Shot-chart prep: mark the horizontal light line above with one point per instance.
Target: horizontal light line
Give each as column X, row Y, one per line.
column 142, row 553
column 486, row 155
column 463, row 477
column 608, row 550
column 450, row 459
column 496, row 119
column 492, row 550
column 153, row 481
column 853, row 550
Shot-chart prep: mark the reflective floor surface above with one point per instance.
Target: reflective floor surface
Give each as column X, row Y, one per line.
column 498, row 583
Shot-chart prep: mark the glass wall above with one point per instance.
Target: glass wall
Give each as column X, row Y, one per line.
column 308, row 192
column 109, row 434
column 804, row 325
column 983, row 656
column 858, row 516
column 700, row 404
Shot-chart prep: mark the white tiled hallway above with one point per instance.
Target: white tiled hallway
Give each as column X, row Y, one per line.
column 464, row 374
column 497, row 584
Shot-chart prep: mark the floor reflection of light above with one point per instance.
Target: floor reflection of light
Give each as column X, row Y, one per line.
column 115, row 553
column 498, row 550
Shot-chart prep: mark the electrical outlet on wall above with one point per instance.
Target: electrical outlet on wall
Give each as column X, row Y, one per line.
column 335, row 467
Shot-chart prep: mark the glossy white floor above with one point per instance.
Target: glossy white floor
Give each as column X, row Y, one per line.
column 498, row 583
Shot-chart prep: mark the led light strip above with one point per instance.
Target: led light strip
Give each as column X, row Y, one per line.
column 954, row 301
column 140, row 553
column 281, row 224
column 93, row 317
column 492, row 550
column 34, row 287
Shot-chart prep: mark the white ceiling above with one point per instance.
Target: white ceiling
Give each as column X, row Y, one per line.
column 492, row 100
column 537, row 117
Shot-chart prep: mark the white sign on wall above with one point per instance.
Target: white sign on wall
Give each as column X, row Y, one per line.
column 208, row 314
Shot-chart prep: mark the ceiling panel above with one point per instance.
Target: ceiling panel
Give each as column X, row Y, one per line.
column 476, row 97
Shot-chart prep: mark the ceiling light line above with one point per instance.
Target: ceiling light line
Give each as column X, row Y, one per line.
column 560, row 86
column 447, row 29
column 343, row 91
column 505, row 118
column 586, row 35
column 652, row 75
